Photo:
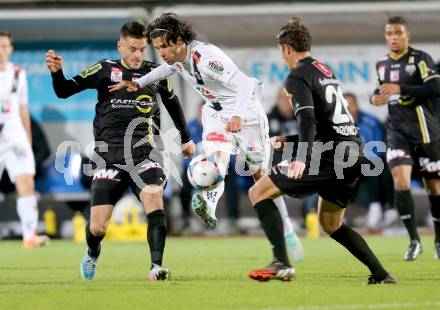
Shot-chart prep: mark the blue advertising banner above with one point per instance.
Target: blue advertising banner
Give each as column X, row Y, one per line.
column 43, row 103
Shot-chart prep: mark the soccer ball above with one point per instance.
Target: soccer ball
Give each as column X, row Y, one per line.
column 203, row 173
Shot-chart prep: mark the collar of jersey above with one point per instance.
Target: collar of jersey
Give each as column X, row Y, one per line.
column 400, row 55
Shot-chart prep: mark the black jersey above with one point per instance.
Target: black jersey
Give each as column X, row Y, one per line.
column 312, row 85
column 115, row 111
column 413, row 116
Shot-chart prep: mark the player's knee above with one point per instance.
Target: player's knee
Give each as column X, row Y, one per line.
column 25, row 185
column 401, row 184
column 98, row 229
column 329, row 226
column 253, row 195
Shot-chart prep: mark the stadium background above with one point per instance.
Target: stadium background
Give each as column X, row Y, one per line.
column 346, row 35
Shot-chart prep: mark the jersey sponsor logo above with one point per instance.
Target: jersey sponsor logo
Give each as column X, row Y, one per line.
column 324, row 82
column 144, row 103
column 394, row 76
column 323, row 68
column 216, row 66
column 90, row 71
column 103, row 174
column 396, row 153
column 381, row 73
column 116, row 75
column 216, row 137
column 196, row 56
column 410, row 69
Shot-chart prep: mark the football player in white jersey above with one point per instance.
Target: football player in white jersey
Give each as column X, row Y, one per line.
column 15, row 142
column 233, row 118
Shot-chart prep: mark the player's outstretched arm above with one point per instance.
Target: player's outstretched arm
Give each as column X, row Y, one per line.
column 63, row 88
column 156, row 75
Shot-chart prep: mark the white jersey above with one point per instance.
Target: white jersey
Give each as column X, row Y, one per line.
column 13, row 93
column 210, row 72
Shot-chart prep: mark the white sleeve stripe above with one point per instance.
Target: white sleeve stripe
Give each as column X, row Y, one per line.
column 302, row 108
column 431, row 77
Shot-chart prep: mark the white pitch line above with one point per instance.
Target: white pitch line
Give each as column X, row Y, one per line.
column 359, row 306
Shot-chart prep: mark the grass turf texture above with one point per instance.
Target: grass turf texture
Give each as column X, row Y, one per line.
column 211, row 273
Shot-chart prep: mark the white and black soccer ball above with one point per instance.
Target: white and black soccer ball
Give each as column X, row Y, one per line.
column 203, row 173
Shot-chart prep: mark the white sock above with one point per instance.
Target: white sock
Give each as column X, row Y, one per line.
column 282, row 208
column 374, row 215
column 28, row 214
column 212, row 197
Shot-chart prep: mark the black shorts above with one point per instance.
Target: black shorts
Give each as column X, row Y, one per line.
column 424, row 156
column 111, row 182
column 326, row 183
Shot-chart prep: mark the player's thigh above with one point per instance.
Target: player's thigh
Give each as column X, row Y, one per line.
column 263, row 189
column 148, row 185
column 108, row 185
column 428, row 156
column 253, row 142
column 215, row 138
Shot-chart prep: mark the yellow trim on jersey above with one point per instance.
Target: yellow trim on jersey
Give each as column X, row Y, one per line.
column 398, row 56
column 422, row 124
column 424, row 70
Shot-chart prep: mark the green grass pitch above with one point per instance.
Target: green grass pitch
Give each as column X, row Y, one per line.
column 211, row 273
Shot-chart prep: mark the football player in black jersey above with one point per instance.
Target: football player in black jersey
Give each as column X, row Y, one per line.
column 124, row 119
column 409, row 83
column 321, row 111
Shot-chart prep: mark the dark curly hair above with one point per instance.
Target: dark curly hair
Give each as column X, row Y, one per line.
column 171, row 27
column 295, row 34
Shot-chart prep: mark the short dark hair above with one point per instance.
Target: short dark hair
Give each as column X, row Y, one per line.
column 134, row 30
column 4, row 33
column 397, row 20
column 295, row 34
column 171, row 27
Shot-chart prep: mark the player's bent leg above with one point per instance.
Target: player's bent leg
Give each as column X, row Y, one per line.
column 27, row 210
column 152, row 199
column 261, row 195
column 330, row 217
column 293, row 243
column 405, row 205
column 205, row 203
column 433, row 186
column 100, row 216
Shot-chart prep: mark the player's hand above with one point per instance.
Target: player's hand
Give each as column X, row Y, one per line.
column 188, row 149
column 277, row 142
column 389, row 89
column 234, row 124
column 54, row 62
column 130, row 85
column 379, row 100
column 296, row 169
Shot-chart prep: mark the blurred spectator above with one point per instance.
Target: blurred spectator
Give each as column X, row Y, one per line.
column 374, row 192
column 231, row 189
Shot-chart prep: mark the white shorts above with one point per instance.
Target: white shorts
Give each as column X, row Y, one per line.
column 15, row 151
column 252, row 140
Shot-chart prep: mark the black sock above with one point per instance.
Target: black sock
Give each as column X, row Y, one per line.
column 272, row 225
column 156, row 235
column 93, row 242
column 357, row 246
column 435, row 212
column 405, row 206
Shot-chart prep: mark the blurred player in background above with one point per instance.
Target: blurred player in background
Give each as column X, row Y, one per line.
column 233, row 118
column 114, row 114
column 15, row 142
column 409, row 83
column 322, row 115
